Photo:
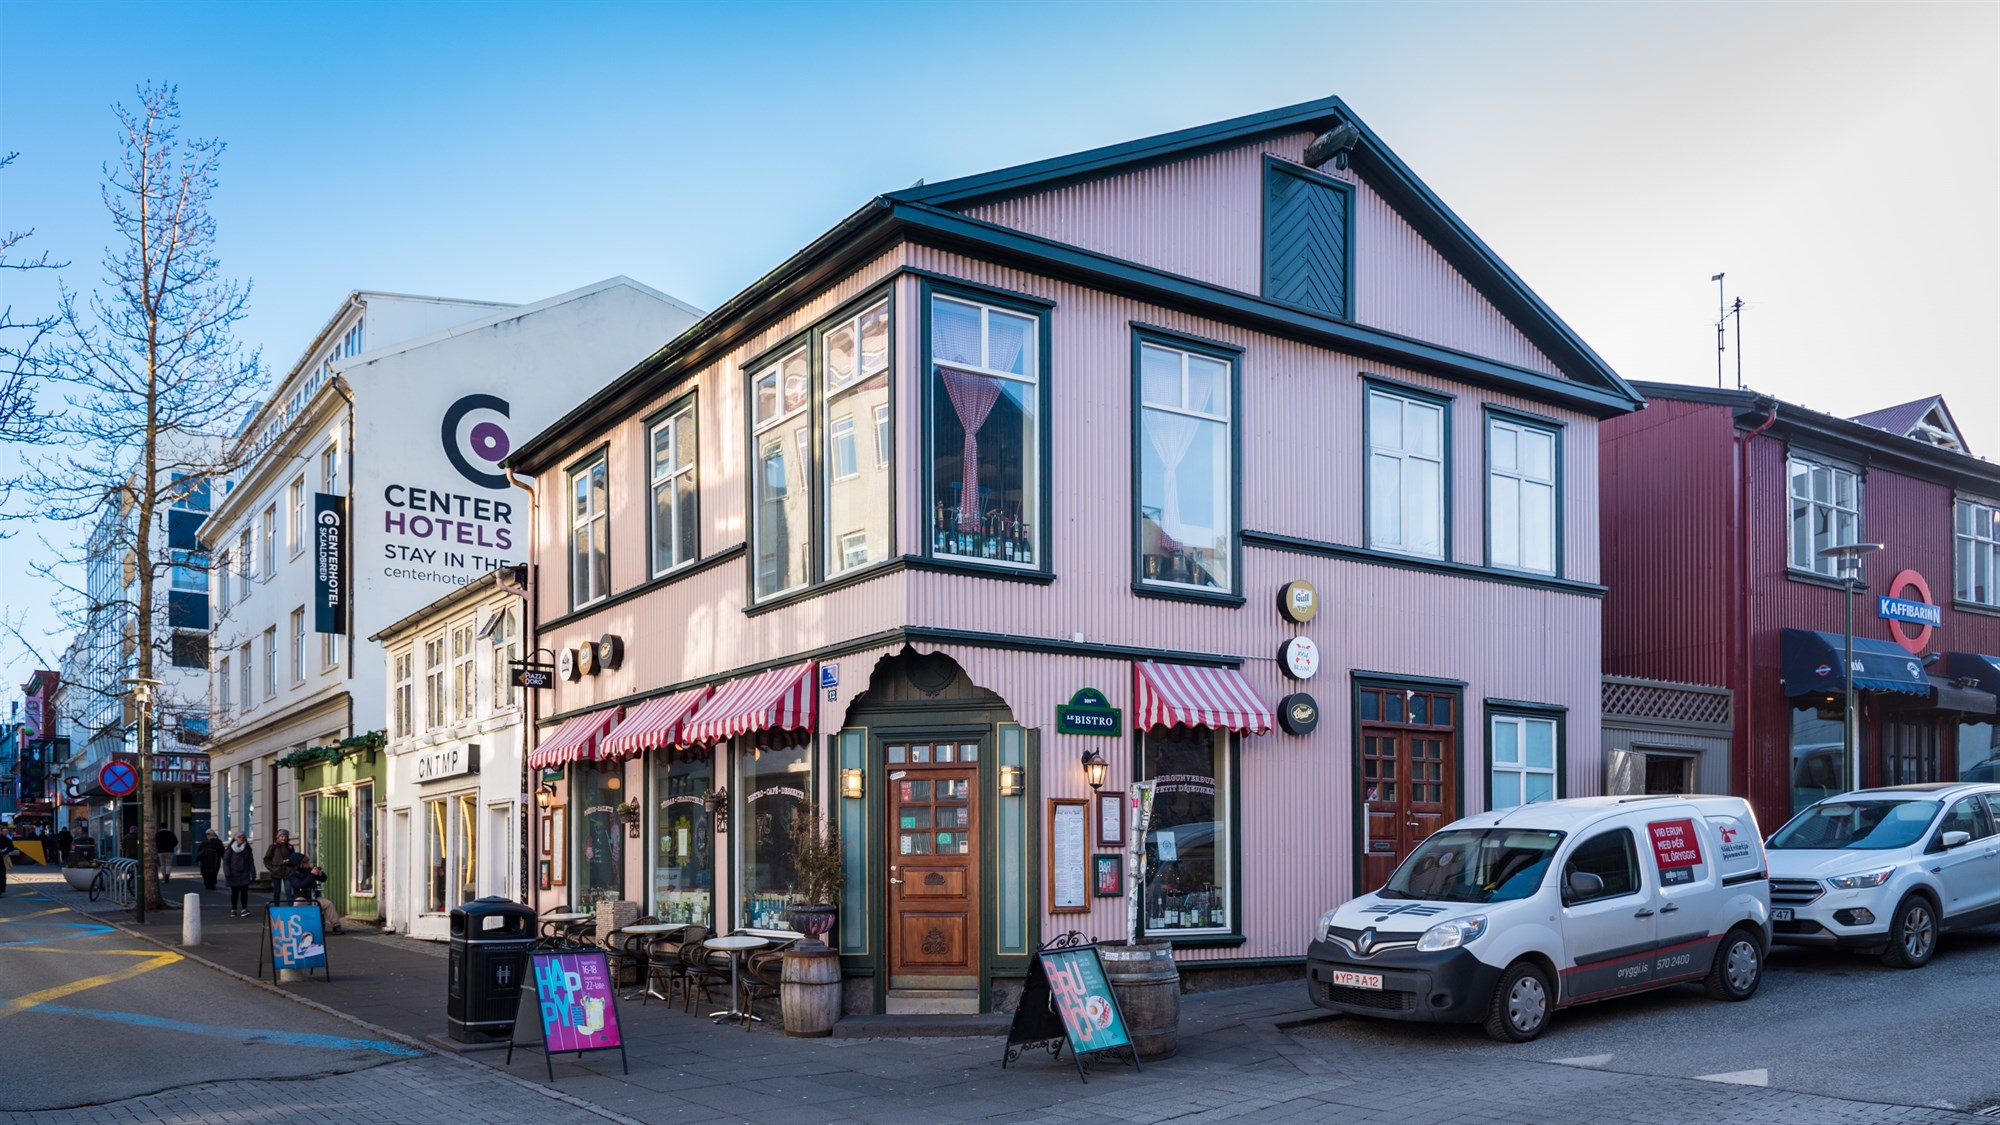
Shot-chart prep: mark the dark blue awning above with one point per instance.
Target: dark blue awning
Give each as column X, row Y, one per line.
column 1811, row 663
column 1981, row 670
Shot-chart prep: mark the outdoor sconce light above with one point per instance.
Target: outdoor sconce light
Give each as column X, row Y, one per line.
column 1010, row 781
column 850, row 784
column 1094, row 768
column 545, row 795
column 614, row 782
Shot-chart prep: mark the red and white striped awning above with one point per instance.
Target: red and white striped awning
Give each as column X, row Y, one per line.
column 1166, row 695
column 780, row 699
column 653, row 725
column 575, row 740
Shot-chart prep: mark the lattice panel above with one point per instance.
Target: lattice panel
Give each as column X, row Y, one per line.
column 1676, row 703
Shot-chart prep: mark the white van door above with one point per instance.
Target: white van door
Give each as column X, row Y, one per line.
column 1682, row 855
column 1610, row 925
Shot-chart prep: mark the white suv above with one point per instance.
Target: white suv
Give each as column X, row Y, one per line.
column 1888, row 870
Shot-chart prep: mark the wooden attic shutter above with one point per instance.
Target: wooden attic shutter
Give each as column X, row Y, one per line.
column 1307, row 230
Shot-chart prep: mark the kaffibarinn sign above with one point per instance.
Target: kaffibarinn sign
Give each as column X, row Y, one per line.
column 447, row 761
column 1903, row 609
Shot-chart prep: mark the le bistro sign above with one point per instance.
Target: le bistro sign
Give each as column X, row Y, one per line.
column 446, row 762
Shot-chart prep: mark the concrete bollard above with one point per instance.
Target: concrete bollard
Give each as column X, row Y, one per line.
column 191, row 919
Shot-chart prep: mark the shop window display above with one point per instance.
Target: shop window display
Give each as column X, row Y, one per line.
column 775, row 785
column 595, row 792
column 683, row 830
column 1188, row 841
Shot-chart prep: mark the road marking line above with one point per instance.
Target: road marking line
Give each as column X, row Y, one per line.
column 36, row 914
column 1758, row 1077
column 281, row 1038
column 90, row 929
column 1583, row 1060
column 34, row 999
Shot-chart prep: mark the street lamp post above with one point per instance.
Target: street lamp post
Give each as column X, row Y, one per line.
column 1848, row 555
column 142, row 702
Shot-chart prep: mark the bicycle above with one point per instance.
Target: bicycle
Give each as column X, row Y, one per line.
column 97, row 884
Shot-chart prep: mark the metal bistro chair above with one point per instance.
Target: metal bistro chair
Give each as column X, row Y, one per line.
column 665, row 963
column 762, row 972
column 701, row 968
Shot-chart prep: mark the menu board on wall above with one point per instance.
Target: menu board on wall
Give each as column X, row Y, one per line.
column 1069, row 857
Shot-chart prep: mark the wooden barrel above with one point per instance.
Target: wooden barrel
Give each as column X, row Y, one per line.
column 809, row 992
column 1148, row 986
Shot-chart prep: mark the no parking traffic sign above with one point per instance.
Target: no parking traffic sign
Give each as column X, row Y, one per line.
column 118, row 779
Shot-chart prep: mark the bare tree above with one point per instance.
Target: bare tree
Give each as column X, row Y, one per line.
column 153, row 383
column 21, row 341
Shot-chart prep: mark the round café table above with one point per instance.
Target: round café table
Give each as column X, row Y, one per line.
column 734, row 945
column 567, row 919
column 650, row 929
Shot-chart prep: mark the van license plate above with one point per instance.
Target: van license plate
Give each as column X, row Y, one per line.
column 1358, row 980
column 1781, row 914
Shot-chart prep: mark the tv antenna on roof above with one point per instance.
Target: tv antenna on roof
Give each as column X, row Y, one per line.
column 1723, row 311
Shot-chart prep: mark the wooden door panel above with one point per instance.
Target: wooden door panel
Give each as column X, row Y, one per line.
column 937, row 942
column 933, row 869
column 948, row 883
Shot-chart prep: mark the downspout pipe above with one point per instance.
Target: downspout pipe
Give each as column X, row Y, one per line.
column 1746, row 697
column 531, row 858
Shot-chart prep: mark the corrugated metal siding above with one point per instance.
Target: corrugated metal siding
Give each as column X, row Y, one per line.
column 1202, row 218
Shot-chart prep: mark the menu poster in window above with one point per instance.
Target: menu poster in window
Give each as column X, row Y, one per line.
column 1069, row 858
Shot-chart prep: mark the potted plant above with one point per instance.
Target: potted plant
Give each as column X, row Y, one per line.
column 628, row 811
column 79, row 870
column 809, row 989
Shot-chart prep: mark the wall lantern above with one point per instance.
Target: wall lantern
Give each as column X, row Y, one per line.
column 545, row 795
column 850, row 784
column 614, row 782
column 1010, row 781
column 1094, row 768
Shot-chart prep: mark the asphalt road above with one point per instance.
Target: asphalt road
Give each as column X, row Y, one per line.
column 90, row 1015
column 1835, row 1024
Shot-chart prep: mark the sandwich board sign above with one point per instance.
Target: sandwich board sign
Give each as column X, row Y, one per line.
column 575, row 1000
column 294, row 939
column 1068, row 1000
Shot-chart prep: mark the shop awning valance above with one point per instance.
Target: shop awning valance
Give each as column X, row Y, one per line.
column 1811, row 660
column 780, row 699
column 1982, row 670
column 575, row 740
column 1165, row 695
column 653, row 725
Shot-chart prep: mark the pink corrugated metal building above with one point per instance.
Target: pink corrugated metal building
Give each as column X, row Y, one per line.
column 1238, row 429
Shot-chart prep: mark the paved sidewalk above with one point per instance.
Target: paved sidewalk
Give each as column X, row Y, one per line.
column 1238, row 1057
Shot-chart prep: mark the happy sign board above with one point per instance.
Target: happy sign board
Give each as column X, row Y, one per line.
column 576, row 1003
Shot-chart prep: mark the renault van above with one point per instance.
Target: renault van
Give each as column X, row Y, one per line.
column 1503, row 917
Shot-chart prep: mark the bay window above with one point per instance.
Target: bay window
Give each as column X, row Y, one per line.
column 1186, row 467
column 986, row 416
column 1189, row 842
column 589, row 533
column 1406, row 472
column 1826, row 512
column 1521, row 495
column 673, row 483
column 781, row 433
column 854, row 379
column 1976, row 542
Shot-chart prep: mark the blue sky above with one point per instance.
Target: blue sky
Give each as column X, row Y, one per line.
column 1840, row 162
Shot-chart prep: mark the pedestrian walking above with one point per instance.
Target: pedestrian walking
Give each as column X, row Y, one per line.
column 48, row 842
column 239, row 867
column 8, row 853
column 278, row 864
column 64, row 842
column 129, row 845
column 209, row 857
column 165, row 844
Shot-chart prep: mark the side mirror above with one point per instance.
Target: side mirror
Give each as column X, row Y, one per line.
column 1952, row 840
column 1583, row 884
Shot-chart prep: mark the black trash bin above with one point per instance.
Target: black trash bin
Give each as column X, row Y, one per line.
column 490, row 939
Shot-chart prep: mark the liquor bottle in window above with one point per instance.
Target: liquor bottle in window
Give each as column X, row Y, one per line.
column 1009, row 532
column 1025, row 553
column 1215, row 911
column 937, row 532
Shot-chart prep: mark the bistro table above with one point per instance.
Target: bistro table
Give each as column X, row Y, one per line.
column 646, row 930
column 565, row 920
column 734, row 945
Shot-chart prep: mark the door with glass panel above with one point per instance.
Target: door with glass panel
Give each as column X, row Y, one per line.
column 933, row 867
column 1409, row 781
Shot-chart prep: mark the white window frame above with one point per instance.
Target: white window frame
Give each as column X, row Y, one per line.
column 271, row 662
column 464, row 672
column 1226, row 502
column 840, row 439
column 329, row 464
column 1402, row 542
column 504, row 632
column 1038, row 460
column 582, row 518
column 225, row 692
column 1518, row 766
column 884, row 436
column 296, row 529
column 1815, row 563
column 246, row 562
column 246, row 674
column 434, row 682
column 778, row 423
column 329, row 650
column 403, row 672
column 1523, row 481
column 681, row 464
column 299, row 645
column 270, row 541
column 1976, row 545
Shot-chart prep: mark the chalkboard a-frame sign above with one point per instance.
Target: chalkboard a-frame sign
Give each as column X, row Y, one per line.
column 1068, row 1000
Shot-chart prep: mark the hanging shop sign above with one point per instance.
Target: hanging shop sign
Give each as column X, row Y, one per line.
column 566, row 665
column 1918, row 614
column 1299, row 657
column 447, row 761
column 533, row 674
column 1089, row 712
column 1298, row 602
column 610, row 651
column 1068, row 999
column 1298, row 713
column 329, row 563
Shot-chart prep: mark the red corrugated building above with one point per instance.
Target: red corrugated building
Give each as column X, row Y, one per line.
column 1716, row 504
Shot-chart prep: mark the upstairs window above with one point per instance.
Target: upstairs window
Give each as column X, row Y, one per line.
column 1826, row 512
column 225, row 689
column 1308, row 232
column 244, row 673
column 1521, row 492
column 329, row 466
column 1976, row 538
column 986, row 416
column 246, row 563
column 299, row 645
column 295, row 529
column 434, row 710
column 405, row 714
column 673, row 483
column 270, row 559
column 464, row 672
column 1406, row 473
column 854, row 380
column 1186, row 459
column 271, row 662
column 222, row 564
column 781, row 423
column 589, row 534
column 504, row 632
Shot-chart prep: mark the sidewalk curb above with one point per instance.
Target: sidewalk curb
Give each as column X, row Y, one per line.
column 427, row 1049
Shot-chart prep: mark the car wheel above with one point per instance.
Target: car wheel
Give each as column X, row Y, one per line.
column 1521, row 1004
column 1913, row 933
column 1738, row 967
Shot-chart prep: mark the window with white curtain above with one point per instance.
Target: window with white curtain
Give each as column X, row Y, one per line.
column 1521, row 493
column 1976, row 537
column 986, row 476
column 1826, row 512
column 1406, row 473
column 1186, row 464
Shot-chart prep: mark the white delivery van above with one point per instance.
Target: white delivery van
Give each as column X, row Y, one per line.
column 1503, row 917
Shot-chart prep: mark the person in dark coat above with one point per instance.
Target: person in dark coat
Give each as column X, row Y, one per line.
column 64, row 842
column 278, row 864
column 209, row 856
column 306, row 879
column 9, row 854
column 239, row 867
column 165, row 844
column 129, row 846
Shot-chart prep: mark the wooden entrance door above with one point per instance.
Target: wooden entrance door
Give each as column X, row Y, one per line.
column 933, row 868
column 1909, row 752
column 1409, row 782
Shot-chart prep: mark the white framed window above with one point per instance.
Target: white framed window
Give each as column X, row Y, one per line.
column 434, row 674
column 853, row 549
column 1521, row 495
column 988, row 460
column 464, row 672
column 1186, row 492
column 854, row 381
column 1520, row 760
column 299, row 645
column 223, row 563
column 405, row 663
column 329, row 650
column 329, row 464
column 244, row 676
column 883, row 436
column 844, row 457
column 589, row 533
column 675, row 500
column 1826, row 512
column 246, row 562
column 1976, row 545
column 505, row 633
column 270, row 559
column 1406, row 473
column 271, row 662
column 295, row 531
column 225, row 690
column 781, row 425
